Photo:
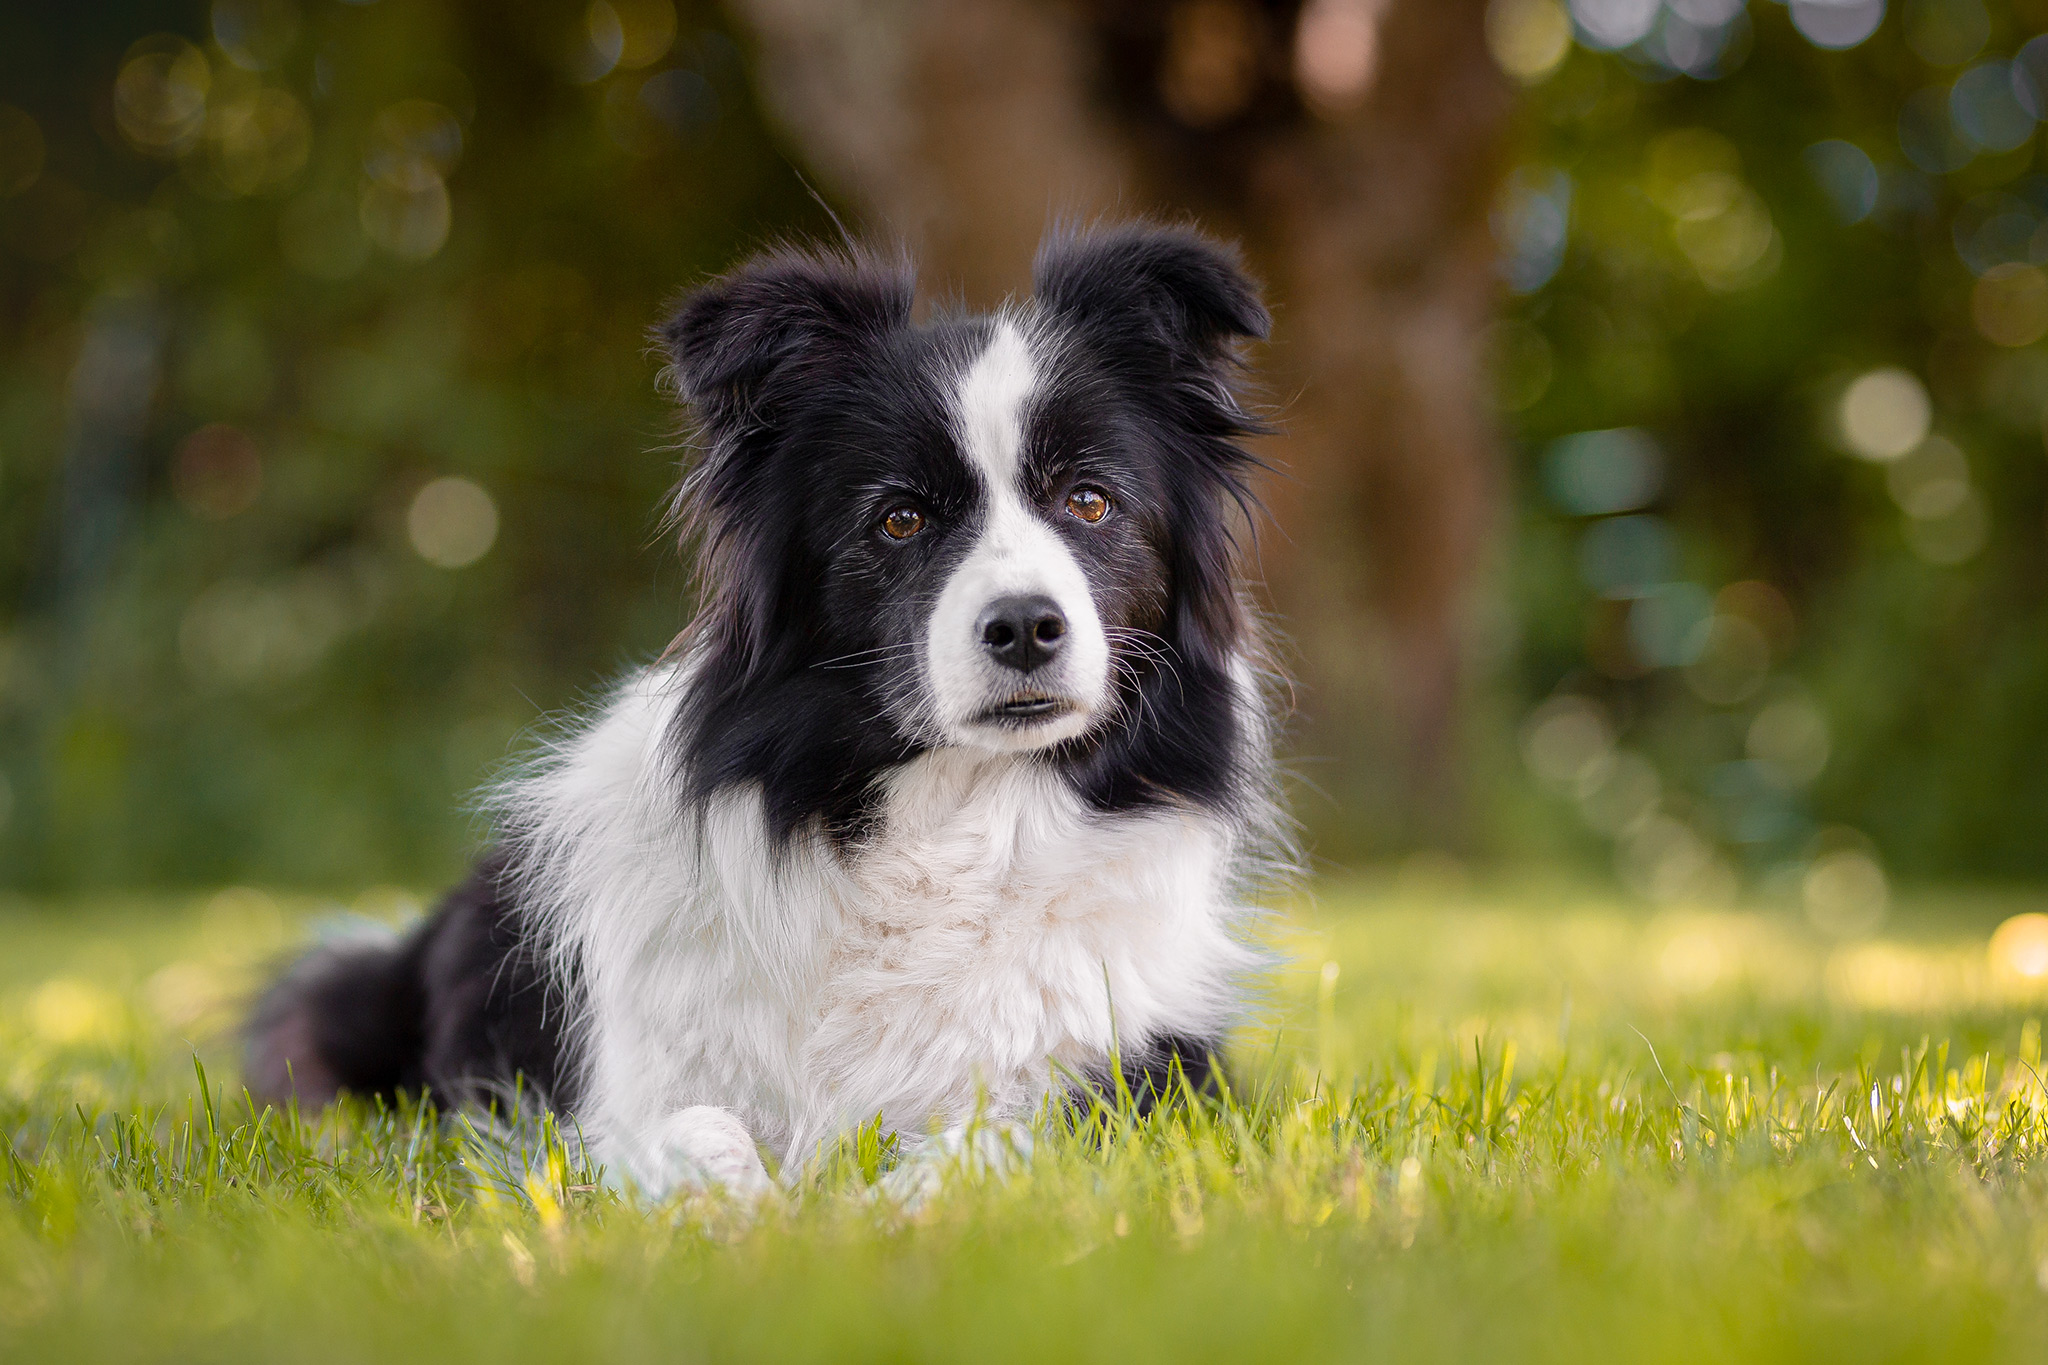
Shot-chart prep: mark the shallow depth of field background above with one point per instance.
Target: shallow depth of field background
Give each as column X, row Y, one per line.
column 330, row 449
column 1663, row 492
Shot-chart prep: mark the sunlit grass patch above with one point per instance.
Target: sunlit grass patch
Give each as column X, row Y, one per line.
column 1515, row 1124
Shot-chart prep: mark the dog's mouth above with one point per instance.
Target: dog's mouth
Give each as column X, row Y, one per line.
column 1026, row 708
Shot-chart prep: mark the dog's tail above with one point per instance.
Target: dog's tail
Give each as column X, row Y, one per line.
column 350, row 1015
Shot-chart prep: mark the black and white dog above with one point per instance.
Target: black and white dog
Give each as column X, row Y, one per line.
column 952, row 791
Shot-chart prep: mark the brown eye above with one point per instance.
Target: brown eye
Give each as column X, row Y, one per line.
column 1089, row 504
column 903, row 523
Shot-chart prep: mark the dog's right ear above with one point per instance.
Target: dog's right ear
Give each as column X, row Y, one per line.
column 732, row 342
column 1149, row 289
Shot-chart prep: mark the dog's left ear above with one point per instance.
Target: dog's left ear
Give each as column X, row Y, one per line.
column 1141, row 285
column 733, row 342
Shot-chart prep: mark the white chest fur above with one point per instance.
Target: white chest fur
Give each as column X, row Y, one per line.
column 992, row 928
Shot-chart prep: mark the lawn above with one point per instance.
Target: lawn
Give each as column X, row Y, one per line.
column 1549, row 1125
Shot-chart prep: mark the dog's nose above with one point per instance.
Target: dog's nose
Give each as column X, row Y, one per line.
column 1023, row 633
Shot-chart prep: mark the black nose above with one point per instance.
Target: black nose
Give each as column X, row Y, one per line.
column 1023, row 633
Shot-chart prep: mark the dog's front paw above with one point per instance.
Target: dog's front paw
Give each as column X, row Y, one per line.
column 975, row 1150
column 703, row 1149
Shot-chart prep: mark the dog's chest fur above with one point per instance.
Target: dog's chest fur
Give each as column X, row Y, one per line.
column 994, row 926
column 990, row 931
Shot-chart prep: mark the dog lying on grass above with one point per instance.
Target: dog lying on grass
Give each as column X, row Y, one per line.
column 951, row 792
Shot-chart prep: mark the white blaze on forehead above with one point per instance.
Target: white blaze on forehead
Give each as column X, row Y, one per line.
column 993, row 394
column 1015, row 553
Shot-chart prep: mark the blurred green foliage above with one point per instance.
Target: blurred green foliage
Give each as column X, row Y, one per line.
column 268, row 271
column 1761, row 645
column 331, row 452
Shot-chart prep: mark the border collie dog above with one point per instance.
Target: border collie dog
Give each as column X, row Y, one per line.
column 950, row 797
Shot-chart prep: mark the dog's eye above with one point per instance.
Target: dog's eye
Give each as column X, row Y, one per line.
column 1089, row 504
column 902, row 523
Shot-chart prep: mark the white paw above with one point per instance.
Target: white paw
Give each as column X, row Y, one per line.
column 975, row 1150
column 703, row 1149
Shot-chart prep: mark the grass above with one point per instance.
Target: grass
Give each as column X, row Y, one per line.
column 1518, row 1124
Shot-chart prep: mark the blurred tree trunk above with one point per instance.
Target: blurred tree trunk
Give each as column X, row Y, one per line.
column 1353, row 146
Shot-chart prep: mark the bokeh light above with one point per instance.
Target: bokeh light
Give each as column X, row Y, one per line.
column 622, row 35
column 411, row 224
column 2010, row 305
column 258, row 143
column 412, row 144
column 255, row 34
column 1707, row 13
column 1529, row 39
column 160, row 95
column 1566, row 741
column 1336, row 49
column 1788, row 740
column 2002, row 227
column 2018, row 950
column 1597, row 472
column 1705, row 39
column 1608, row 25
column 1985, row 107
column 2030, row 76
column 1719, row 223
column 647, row 30
column 404, row 207
column 1884, row 414
column 452, row 523
column 1836, row 24
column 1932, row 481
column 1664, row 623
column 1532, row 224
column 1848, row 175
column 602, row 41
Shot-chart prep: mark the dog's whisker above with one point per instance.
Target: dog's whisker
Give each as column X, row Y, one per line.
column 867, row 662
column 877, row 654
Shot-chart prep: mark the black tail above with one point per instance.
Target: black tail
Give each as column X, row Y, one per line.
column 348, row 1016
column 458, row 1009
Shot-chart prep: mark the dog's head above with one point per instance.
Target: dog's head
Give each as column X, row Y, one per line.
column 1006, row 533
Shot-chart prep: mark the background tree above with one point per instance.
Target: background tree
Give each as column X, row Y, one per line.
column 1354, row 147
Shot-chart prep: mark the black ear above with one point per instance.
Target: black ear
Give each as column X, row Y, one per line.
column 1147, row 284
column 732, row 340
